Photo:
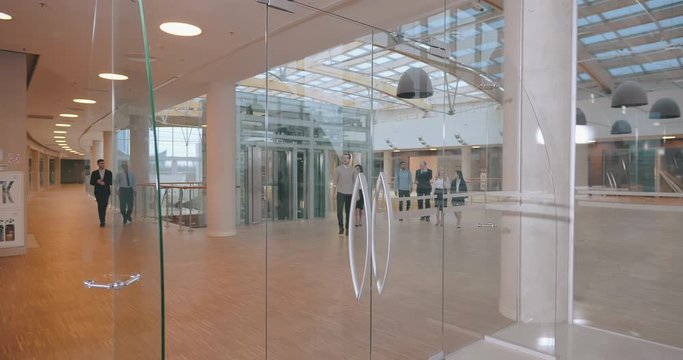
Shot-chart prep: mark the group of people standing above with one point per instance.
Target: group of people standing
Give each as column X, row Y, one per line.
column 426, row 187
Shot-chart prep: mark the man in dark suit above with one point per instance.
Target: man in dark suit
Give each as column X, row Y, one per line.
column 101, row 179
column 423, row 178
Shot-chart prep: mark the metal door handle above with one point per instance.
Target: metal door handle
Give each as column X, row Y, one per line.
column 116, row 285
column 490, row 224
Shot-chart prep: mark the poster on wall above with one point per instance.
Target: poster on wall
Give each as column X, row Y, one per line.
column 11, row 185
column 11, row 209
column 11, row 228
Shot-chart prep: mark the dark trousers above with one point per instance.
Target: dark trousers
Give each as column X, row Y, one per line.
column 424, row 192
column 403, row 194
column 102, row 202
column 126, row 202
column 343, row 202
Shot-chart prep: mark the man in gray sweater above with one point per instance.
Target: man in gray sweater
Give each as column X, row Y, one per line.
column 344, row 177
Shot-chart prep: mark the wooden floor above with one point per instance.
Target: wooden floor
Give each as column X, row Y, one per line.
column 215, row 290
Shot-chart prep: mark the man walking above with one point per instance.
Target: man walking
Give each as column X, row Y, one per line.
column 344, row 177
column 404, row 183
column 125, row 188
column 423, row 177
column 101, row 180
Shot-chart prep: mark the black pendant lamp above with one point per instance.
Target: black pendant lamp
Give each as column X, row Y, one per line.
column 665, row 108
column 414, row 84
column 580, row 117
column 621, row 127
column 629, row 94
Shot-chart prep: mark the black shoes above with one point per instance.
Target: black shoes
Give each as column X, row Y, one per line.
column 341, row 230
column 101, row 224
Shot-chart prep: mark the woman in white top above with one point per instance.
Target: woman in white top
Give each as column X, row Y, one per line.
column 439, row 191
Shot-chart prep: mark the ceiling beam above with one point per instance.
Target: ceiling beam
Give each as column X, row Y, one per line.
column 299, row 90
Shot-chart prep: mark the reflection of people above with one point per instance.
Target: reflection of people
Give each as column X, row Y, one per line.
column 344, row 177
column 423, row 178
column 440, row 202
column 360, row 204
column 101, row 180
column 125, row 188
column 458, row 185
column 404, row 183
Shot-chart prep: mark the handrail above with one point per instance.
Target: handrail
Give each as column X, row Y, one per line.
column 671, row 182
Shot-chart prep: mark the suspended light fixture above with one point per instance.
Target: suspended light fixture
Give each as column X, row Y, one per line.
column 580, row 117
column 665, row 108
column 414, row 84
column 629, row 94
column 621, row 127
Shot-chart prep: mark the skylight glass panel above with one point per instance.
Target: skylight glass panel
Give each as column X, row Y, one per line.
column 340, row 58
column 357, row 52
column 480, row 64
column 671, row 22
column 621, row 12
column 365, row 65
column 588, row 20
column 463, row 52
column 336, row 88
column 382, row 60
column 498, row 24
column 661, row 65
column 326, row 79
column 610, row 54
column 395, row 56
column 418, row 64
column 594, row 39
column 625, row 70
column 260, row 76
column 346, row 85
column 488, row 46
column 584, row 76
column 659, row 45
column 402, row 69
column 655, row 4
column 315, row 83
column 387, row 73
column 638, row 29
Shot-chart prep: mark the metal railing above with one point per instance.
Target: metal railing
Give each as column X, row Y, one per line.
column 183, row 204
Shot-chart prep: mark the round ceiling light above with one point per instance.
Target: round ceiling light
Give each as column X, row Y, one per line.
column 68, row 115
column 665, row 108
column 414, row 84
column 629, row 94
column 112, row 76
column 85, row 101
column 4, row 16
column 180, row 29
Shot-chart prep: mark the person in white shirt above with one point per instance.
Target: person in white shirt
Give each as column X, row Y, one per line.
column 125, row 188
column 344, row 178
column 439, row 192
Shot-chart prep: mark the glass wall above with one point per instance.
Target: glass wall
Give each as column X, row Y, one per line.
column 628, row 171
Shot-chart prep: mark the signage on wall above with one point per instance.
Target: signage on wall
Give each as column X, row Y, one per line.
column 14, row 158
column 11, row 209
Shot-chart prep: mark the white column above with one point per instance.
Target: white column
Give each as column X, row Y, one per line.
column 108, row 150
column 97, row 153
column 139, row 148
column 46, row 171
column 221, row 138
column 466, row 162
column 582, row 163
column 388, row 165
column 538, row 142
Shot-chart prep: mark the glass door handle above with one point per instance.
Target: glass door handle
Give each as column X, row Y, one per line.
column 116, row 285
column 490, row 224
column 360, row 184
column 381, row 185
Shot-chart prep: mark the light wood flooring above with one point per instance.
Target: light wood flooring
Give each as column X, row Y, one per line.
column 215, row 290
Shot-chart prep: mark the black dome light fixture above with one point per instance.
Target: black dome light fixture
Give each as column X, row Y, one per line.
column 629, row 94
column 580, row 117
column 414, row 84
column 665, row 108
column 621, row 127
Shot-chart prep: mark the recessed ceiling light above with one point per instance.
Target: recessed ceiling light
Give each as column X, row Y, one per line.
column 112, row 76
column 656, row 124
column 63, row 125
column 4, row 16
column 59, row 137
column 59, row 132
column 180, row 29
column 203, row 125
column 476, row 147
column 139, row 57
column 85, row 101
column 669, row 137
column 68, row 115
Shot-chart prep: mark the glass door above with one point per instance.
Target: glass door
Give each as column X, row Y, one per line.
column 133, row 219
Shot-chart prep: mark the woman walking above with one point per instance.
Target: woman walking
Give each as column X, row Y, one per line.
column 360, row 204
column 458, row 185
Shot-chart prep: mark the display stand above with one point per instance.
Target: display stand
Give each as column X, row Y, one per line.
column 12, row 216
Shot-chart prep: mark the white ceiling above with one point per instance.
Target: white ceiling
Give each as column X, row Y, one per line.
column 74, row 40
